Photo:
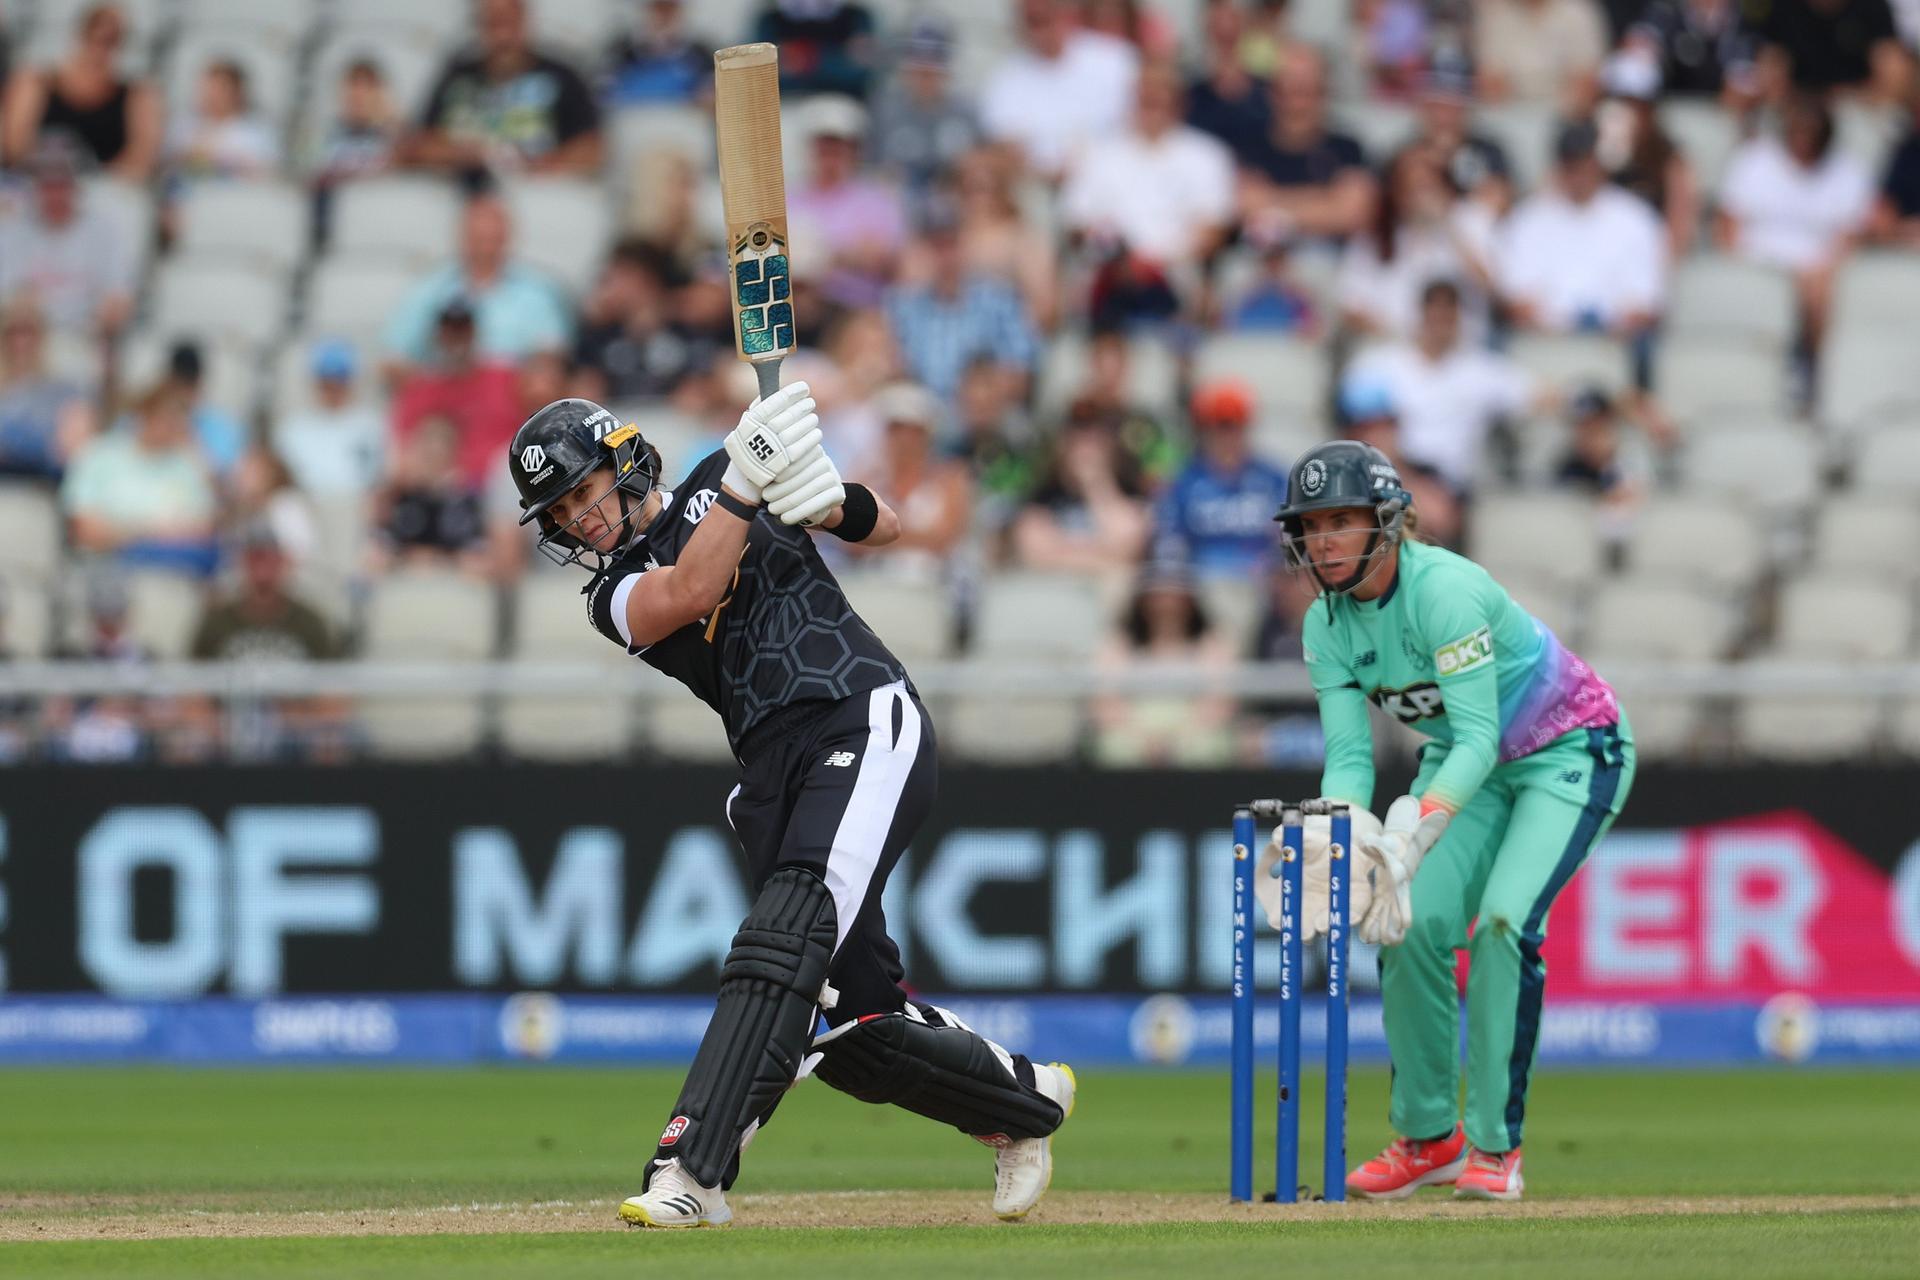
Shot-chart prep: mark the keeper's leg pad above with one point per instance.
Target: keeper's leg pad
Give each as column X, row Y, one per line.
column 950, row 1074
column 769, row 991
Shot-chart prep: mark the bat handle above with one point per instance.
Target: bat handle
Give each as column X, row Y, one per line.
column 768, row 371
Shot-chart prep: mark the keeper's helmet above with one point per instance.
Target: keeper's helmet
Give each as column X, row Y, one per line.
column 559, row 447
column 1343, row 473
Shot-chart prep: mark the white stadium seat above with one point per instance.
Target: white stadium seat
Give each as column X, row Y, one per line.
column 162, row 609
column 1887, row 462
column 265, row 221
column 444, row 22
column 1636, row 622
column 1721, row 295
column 1713, row 544
column 426, row 616
column 1696, row 376
column 915, row 620
column 1857, row 534
column 1705, row 133
column 1290, row 377
column 1525, row 131
column 1152, row 375
column 548, row 626
column 579, row 29
column 416, row 218
column 1029, row 617
column 285, row 22
column 1776, row 467
column 26, row 617
column 214, row 298
column 29, row 530
column 229, row 366
column 352, row 298
column 131, row 210
column 562, row 226
column 1571, row 360
column 1829, row 619
column 1865, row 373
column 1544, row 537
column 1876, row 290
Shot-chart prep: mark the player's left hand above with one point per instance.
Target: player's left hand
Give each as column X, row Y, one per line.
column 1316, row 873
column 1395, row 856
column 806, row 493
column 775, row 435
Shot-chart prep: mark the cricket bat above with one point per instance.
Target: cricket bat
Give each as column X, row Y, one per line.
column 753, row 195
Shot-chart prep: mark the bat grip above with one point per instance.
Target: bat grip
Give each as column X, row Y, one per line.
column 768, row 371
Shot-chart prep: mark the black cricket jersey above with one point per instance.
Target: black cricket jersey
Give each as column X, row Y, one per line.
column 783, row 635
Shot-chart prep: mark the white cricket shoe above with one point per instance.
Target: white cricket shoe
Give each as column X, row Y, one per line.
column 1023, row 1168
column 674, row 1199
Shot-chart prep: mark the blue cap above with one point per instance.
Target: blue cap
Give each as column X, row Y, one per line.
column 1366, row 400
column 334, row 361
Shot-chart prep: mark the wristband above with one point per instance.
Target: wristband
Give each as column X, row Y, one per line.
column 859, row 512
column 735, row 506
column 736, row 480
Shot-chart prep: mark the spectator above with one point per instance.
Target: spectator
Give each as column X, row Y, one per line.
column 1474, row 164
column 107, row 730
column 145, row 494
column 994, row 444
column 336, row 447
column 1896, row 210
column 996, row 240
column 1217, row 515
column 924, row 127
column 1705, row 49
column 1824, row 46
column 1420, row 233
column 932, row 494
column 1583, row 255
column 361, row 139
column 222, row 136
column 1546, row 52
column 1596, row 462
column 1089, row 512
column 1063, row 89
column 222, row 437
column 1368, row 414
column 1226, row 99
column 826, row 46
column 428, row 515
column 1637, row 152
column 507, row 107
column 45, row 419
column 1160, row 190
column 1110, row 392
column 1393, row 38
column 265, row 497
column 1146, row 29
column 631, row 345
column 1305, row 180
column 477, row 398
column 1164, row 622
column 1273, row 300
column 957, row 315
column 657, row 61
column 1797, row 202
column 860, row 222
column 1449, row 391
column 518, row 310
column 84, row 101
column 66, row 251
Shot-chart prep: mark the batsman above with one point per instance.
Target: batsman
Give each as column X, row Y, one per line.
column 1527, row 762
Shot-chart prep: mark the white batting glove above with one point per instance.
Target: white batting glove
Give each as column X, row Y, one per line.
column 806, row 492
column 1395, row 856
column 772, row 436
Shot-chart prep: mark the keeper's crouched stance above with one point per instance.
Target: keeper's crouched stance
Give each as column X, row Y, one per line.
column 837, row 773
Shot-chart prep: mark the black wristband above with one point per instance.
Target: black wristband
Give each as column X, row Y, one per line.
column 859, row 512
column 734, row 506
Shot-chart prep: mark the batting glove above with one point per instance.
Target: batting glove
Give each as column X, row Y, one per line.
column 1395, row 854
column 806, row 492
column 773, row 435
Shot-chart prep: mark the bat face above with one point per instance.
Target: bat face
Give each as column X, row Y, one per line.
column 753, row 193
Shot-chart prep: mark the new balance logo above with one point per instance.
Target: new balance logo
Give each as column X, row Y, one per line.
column 839, row 760
column 1367, row 659
column 762, row 447
column 1571, row 777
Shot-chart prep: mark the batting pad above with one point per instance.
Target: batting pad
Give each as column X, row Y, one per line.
column 950, row 1074
column 770, row 987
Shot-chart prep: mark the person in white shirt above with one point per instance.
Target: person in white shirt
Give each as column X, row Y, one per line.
column 336, row 447
column 1583, row 256
column 1066, row 88
column 1449, row 392
column 1799, row 203
column 1162, row 188
column 1422, row 231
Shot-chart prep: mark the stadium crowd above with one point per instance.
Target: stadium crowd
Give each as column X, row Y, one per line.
column 1076, row 279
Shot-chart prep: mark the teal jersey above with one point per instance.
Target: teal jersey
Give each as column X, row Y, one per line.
column 1447, row 651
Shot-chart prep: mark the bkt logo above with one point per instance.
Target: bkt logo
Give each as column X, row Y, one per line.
column 532, row 458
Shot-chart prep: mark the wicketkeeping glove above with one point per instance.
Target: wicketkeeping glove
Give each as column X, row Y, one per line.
column 1316, row 872
column 806, row 492
column 774, row 435
column 1395, row 856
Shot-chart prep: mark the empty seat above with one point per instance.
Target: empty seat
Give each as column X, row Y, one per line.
column 352, row 298
column 1724, row 296
column 1381, row 128
column 1861, row 535
column 1573, row 359
column 677, row 726
column 1152, row 374
column 1826, row 619
column 1705, row 133
column 29, row 530
column 409, row 217
column 1289, row 376
column 1659, row 620
column 1876, row 289
column 1701, row 375
column 265, row 221
column 1863, row 374
column 212, row 298
column 26, row 617
column 913, row 619
column 131, row 210
column 637, row 130
column 1888, row 462
column 422, row 617
column 284, row 22
column 1525, row 131
column 1029, row 618
column 546, row 626
column 1709, row 543
column 1548, row 601
column 1547, row 538
column 563, row 226
column 577, row 28
column 1774, row 467
column 442, row 22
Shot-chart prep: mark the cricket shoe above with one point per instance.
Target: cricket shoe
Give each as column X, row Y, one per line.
column 1490, row 1175
column 1023, row 1168
column 1409, row 1164
column 674, row 1199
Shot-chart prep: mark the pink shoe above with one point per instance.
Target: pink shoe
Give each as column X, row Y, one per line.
column 1490, row 1175
column 1407, row 1165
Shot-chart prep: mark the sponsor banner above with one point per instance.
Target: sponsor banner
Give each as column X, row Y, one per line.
column 1092, row 1031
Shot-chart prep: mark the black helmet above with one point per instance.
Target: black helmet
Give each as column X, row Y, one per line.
column 1343, row 473
column 563, row 444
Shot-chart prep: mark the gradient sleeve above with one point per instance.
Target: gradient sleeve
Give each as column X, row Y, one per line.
column 1347, row 773
column 1456, row 621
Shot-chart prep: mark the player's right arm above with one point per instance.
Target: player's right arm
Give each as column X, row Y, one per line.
column 1347, row 773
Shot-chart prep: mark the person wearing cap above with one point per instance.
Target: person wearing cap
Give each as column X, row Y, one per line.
column 1597, row 462
column 957, row 313
column 222, row 437
column 1216, row 514
column 1638, row 153
column 1063, row 88
column 1475, row 164
column 1367, row 412
column 66, row 250
column 826, row 46
column 657, row 60
column 477, row 394
column 857, row 220
column 931, row 493
column 1540, row 51
column 921, row 126
column 1581, row 255
column 336, row 444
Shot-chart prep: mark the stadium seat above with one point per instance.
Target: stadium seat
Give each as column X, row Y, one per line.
column 1859, row 534
column 213, row 298
column 26, row 617
column 1699, row 375
column 1525, row 131
column 162, row 609
column 915, row 620
column 1289, row 377
column 1234, row 608
column 442, row 22
column 418, row 617
column 685, row 129
column 1029, row 618
column 56, row 21
column 409, row 64
column 1546, row 538
column 287, row 23
column 1825, row 619
column 1705, row 133
column 416, row 218
column 1868, row 132
column 272, row 69
column 578, row 29
column 548, row 625
column 1877, row 290
column 562, row 226
column 1865, row 373
column 1548, row 601
column 1712, row 544
column 1570, row 360
column 131, row 209
column 1636, row 623
column 1152, row 375
column 352, row 298
column 677, row 726
column 229, row 367
column 1904, row 732
column 1381, row 128
column 263, row 221
column 1775, row 468
column 1887, row 462
column 1722, row 296
column 30, row 536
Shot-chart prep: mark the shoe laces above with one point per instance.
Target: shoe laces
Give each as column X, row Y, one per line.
column 1490, row 1161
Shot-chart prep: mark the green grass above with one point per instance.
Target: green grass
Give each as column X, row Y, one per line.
column 351, row 1139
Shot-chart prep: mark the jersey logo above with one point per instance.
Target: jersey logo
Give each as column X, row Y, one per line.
column 699, row 504
column 1313, row 477
column 1571, row 777
column 1412, row 704
column 671, row 1134
column 1465, row 654
column 839, row 760
column 532, row 458
column 1367, row 659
